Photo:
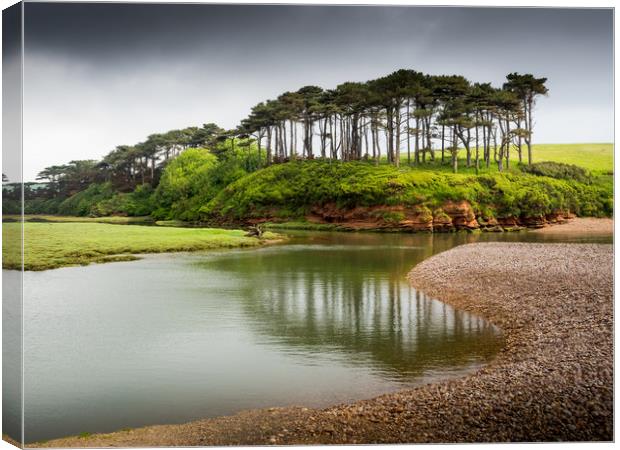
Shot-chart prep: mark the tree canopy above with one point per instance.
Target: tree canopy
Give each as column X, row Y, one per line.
column 405, row 114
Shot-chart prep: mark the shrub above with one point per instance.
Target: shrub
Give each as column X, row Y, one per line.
column 80, row 204
column 558, row 170
column 196, row 176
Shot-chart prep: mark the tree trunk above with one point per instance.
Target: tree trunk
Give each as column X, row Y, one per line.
column 295, row 138
column 342, row 153
column 443, row 131
column 397, row 149
column 306, row 144
column 408, row 135
column 292, row 143
column 284, row 144
column 477, row 152
column 468, row 150
column 429, row 136
column 454, row 151
column 390, row 135
column 508, row 142
column 416, row 151
column 519, row 139
column 332, row 138
column 528, row 141
column 268, row 145
column 423, row 138
column 355, row 136
column 366, row 141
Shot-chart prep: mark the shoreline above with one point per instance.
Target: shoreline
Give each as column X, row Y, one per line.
column 553, row 380
column 597, row 226
column 54, row 245
column 122, row 249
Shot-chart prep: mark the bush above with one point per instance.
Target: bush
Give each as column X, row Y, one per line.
column 137, row 203
column 185, row 178
column 558, row 170
column 42, row 205
column 81, row 203
column 10, row 206
column 196, row 176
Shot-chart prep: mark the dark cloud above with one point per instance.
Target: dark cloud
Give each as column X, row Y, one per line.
column 11, row 92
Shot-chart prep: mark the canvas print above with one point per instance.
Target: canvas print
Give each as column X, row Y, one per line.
column 232, row 224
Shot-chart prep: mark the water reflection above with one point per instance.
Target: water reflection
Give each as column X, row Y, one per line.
column 353, row 298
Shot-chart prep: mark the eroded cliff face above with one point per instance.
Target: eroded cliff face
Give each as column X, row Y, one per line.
column 451, row 216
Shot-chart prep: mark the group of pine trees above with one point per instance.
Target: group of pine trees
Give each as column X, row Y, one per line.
column 128, row 166
column 406, row 114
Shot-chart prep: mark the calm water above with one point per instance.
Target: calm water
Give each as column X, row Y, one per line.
column 326, row 318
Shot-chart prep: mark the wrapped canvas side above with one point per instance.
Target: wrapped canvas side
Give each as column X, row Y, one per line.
column 12, row 225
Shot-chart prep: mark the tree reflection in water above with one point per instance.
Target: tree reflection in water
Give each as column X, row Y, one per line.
column 348, row 295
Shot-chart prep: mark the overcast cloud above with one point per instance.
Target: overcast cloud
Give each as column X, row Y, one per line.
column 101, row 75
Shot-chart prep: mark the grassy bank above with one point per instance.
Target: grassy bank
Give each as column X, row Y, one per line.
column 196, row 185
column 52, row 245
column 290, row 191
column 117, row 220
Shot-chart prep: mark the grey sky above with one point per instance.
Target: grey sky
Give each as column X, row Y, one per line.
column 100, row 75
column 11, row 97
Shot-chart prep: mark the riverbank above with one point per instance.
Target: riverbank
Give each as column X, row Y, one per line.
column 590, row 226
column 117, row 220
column 362, row 196
column 552, row 381
column 53, row 245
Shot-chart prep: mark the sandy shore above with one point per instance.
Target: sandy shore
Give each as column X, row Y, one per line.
column 552, row 381
column 581, row 225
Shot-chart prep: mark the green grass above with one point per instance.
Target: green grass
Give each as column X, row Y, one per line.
column 51, row 245
column 597, row 158
column 594, row 157
column 120, row 220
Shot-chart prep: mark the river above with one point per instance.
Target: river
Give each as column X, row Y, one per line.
column 322, row 319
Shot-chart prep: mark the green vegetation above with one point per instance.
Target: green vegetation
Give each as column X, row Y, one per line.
column 51, row 245
column 406, row 138
column 198, row 186
column 598, row 158
column 290, row 190
column 559, row 170
column 118, row 220
column 196, row 176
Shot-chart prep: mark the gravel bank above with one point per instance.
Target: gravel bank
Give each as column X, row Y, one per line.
column 552, row 381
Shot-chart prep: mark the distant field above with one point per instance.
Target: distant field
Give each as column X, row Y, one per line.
column 599, row 157
column 595, row 157
column 51, row 245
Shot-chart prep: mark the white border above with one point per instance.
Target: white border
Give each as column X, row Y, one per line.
column 476, row 3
